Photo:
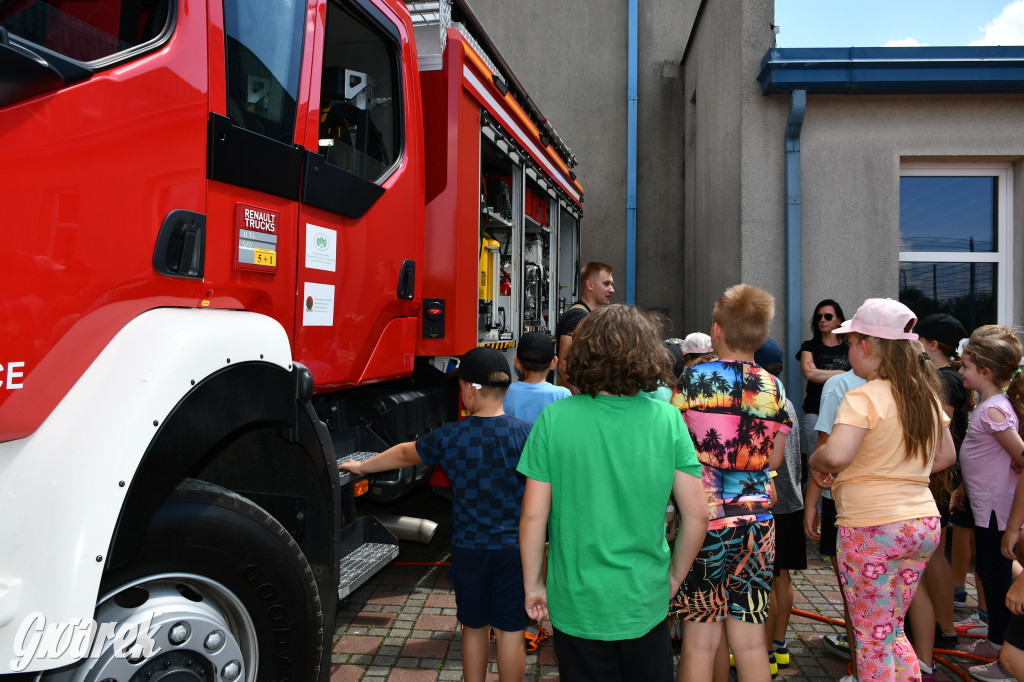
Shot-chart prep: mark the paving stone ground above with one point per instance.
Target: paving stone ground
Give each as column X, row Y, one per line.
column 401, row 626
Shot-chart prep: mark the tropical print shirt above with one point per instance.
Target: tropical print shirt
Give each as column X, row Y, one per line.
column 733, row 411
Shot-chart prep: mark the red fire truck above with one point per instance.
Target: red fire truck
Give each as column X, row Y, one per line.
column 244, row 239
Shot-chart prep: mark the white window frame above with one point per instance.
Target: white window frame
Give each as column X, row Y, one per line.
column 1002, row 256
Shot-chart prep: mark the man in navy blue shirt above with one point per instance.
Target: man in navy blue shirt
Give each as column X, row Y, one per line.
column 480, row 454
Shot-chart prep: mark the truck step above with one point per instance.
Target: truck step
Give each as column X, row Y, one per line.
column 368, row 547
column 347, row 477
column 363, row 563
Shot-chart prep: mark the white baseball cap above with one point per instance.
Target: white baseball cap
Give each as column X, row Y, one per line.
column 882, row 318
column 696, row 343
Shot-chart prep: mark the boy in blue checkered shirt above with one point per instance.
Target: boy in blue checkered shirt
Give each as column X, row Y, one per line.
column 480, row 454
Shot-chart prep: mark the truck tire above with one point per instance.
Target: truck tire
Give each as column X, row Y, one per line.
column 227, row 592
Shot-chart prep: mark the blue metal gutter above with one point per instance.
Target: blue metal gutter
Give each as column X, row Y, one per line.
column 893, row 70
column 631, row 134
column 794, row 272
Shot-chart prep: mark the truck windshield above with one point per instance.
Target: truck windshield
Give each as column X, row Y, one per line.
column 86, row 31
column 264, row 61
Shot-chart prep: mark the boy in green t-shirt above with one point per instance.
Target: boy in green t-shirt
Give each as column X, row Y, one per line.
column 599, row 467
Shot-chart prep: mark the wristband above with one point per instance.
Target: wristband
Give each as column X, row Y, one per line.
column 773, row 474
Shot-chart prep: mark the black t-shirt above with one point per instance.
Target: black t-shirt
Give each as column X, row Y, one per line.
column 955, row 395
column 572, row 317
column 825, row 357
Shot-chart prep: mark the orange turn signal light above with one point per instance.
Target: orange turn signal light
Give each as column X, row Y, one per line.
column 360, row 487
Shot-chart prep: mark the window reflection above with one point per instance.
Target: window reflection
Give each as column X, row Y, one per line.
column 948, row 213
column 967, row 291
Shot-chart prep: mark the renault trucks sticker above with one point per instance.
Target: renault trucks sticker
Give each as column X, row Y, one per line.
column 321, row 248
column 257, row 230
column 317, row 305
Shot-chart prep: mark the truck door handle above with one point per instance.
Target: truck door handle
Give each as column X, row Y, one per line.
column 407, row 280
column 181, row 245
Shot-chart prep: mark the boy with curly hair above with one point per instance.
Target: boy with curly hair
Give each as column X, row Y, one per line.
column 599, row 467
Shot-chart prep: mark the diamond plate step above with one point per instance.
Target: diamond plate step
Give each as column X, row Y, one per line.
column 345, row 476
column 358, row 566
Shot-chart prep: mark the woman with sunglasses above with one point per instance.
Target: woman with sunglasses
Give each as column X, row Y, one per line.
column 822, row 357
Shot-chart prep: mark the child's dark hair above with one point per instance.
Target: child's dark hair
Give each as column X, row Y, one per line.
column 616, row 349
column 534, row 365
column 997, row 349
column 495, row 392
column 815, row 331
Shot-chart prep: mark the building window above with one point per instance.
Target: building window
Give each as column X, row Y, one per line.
column 955, row 231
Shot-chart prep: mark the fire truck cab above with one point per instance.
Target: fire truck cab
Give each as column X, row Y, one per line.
column 245, row 239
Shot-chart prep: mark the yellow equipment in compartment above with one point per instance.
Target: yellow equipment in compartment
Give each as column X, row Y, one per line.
column 490, row 250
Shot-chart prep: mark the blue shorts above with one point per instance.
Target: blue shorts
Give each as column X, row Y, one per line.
column 489, row 588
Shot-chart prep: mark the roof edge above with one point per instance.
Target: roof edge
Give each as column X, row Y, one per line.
column 893, row 70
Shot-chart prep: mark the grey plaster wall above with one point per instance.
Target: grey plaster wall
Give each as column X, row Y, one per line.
column 572, row 58
column 762, row 166
column 712, row 85
column 852, row 148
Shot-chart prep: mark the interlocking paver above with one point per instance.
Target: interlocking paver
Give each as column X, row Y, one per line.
column 356, row 644
column 425, row 648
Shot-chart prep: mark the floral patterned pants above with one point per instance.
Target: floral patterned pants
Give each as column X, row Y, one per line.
column 880, row 567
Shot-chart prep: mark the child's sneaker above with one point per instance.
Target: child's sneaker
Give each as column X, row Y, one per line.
column 773, row 664
column 837, row 645
column 534, row 640
column 782, row 657
column 972, row 627
column 944, row 641
column 960, row 599
column 991, row 672
column 982, row 647
column 675, row 633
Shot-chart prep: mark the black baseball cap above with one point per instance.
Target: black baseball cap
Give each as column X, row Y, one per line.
column 941, row 327
column 536, row 347
column 478, row 364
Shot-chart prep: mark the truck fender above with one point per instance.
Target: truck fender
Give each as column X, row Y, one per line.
column 64, row 486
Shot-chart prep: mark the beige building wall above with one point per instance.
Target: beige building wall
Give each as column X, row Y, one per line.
column 852, row 148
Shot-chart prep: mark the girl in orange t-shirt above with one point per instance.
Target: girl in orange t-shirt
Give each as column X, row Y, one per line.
column 889, row 435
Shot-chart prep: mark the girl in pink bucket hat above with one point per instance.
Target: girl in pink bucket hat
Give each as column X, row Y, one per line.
column 889, row 435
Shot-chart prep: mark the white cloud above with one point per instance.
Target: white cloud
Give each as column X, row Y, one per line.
column 907, row 42
column 1007, row 28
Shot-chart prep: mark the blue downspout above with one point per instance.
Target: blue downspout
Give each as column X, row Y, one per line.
column 794, row 306
column 631, row 125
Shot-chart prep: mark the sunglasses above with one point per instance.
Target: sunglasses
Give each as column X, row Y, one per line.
column 827, row 316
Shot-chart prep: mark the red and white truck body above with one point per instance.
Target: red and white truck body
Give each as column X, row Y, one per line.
column 244, row 239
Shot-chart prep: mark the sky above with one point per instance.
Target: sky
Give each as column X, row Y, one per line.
column 898, row 23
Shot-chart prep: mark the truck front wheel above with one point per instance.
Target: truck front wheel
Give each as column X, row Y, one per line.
column 219, row 591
